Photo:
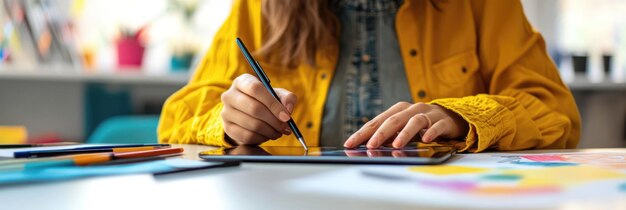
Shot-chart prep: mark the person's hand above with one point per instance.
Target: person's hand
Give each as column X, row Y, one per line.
column 403, row 121
column 251, row 115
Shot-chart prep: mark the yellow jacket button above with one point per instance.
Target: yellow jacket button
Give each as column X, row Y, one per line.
column 421, row 93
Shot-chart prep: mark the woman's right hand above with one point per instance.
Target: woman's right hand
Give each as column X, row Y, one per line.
column 251, row 115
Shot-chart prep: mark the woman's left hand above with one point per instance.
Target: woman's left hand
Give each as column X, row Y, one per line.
column 403, row 121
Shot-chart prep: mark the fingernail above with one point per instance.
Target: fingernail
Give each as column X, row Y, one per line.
column 287, row 131
column 347, row 143
column 395, row 145
column 426, row 139
column 289, row 108
column 283, row 116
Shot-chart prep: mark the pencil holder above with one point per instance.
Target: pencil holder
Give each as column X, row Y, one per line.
column 130, row 52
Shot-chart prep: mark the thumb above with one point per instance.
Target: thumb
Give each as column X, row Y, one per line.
column 287, row 98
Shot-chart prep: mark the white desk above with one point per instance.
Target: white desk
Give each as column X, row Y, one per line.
column 250, row 186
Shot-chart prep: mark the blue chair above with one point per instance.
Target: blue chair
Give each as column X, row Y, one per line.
column 126, row 130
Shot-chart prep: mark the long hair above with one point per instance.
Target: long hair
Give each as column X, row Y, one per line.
column 295, row 30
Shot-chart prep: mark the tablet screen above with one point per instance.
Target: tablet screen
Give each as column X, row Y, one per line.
column 421, row 155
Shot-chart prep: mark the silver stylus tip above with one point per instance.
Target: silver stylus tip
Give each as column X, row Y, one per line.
column 303, row 144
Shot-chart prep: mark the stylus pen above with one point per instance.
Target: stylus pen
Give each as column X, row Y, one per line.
column 266, row 82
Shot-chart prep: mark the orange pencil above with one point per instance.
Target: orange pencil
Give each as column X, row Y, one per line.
column 87, row 159
column 30, row 160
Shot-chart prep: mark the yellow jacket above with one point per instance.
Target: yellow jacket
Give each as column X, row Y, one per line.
column 480, row 59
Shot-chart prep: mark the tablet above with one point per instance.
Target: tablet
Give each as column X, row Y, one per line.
column 385, row 155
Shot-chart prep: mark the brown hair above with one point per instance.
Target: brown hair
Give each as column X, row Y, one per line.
column 294, row 30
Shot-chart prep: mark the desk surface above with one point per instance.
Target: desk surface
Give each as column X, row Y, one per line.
column 250, row 186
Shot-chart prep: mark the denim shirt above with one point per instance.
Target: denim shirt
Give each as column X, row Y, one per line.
column 370, row 75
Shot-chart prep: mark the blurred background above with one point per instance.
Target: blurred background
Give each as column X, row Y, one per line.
column 99, row 71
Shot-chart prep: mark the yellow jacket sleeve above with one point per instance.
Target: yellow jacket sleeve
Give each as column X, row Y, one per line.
column 192, row 114
column 527, row 105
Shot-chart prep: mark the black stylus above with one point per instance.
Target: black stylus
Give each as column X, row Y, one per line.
column 266, row 82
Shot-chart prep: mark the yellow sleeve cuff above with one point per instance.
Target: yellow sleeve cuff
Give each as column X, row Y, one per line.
column 213, row 128
column 485, row 116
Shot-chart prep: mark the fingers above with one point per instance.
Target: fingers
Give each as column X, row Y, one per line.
column 252, row 87
column 252, row 114
column 400, row 123
column 287, row 98
column 416, row 124
column 250, row 123
column 246, row 104
column 394, row 124
column 388, row 129
column 436, row 130
column 363, row 134
column 242, row 136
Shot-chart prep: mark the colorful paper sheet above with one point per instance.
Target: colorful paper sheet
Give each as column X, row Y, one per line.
column 483, row 181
